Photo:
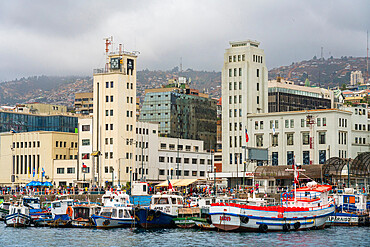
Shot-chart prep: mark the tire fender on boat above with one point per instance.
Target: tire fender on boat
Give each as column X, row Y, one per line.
column 263, row 228
column 244, row 219
column 297, row 225
column 286, row 227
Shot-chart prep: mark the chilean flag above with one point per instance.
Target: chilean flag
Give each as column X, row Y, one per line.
column 246, row 136
column 296, row 181
column 169, row 185
column 83, row 165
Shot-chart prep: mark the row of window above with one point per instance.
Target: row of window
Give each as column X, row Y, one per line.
column 83, row 99
column 64, row 157
column 26, row 144
column 61, row 144
column 290, row 157
column 235, row 85
column 236, row 112
column 26, row 164
column 359, row 140
column 236, row 126
column 186, row 160
column 107, row 84
column 107, row 97
column 130, row 85
column 257, row 59
column 306, row 140
column 361, row 127
column 360, row 111
column 70, row 170
column 136, row 170
column 342, row 122
column 236, row 70
column 342, row 137
column 162, row 172
column 179, row 147
column 109, row 113
column 237, row 58
column 235, row 99
column 289, row 123
column 166, row 95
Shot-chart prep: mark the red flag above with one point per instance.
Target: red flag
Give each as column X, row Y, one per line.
column 169, row 185
column 246, row 136
column 83, row 165
column 85, row 157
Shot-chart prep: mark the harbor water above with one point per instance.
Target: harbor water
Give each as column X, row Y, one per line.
column 334, row 236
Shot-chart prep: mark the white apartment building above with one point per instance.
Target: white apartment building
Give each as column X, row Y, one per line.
column 326, row 134
column 356, row 77
column 181, row 159
column 114, row 117
column 244, row 91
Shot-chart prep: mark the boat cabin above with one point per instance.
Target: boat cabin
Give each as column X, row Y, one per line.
column 60, row 207
column 351, row 201
column 312, row 195
column 84, row 212
column 32, row 202
column 118, row 198
column 116, row 212
column 167, row 203
column 19, row 209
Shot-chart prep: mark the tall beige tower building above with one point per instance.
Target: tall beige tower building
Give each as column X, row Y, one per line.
column 114, row 121
column 244, row 91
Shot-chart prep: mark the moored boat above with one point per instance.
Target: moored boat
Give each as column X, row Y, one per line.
column 4, row 210
column 19, row 216
column 82, row 213
column 161, row 213
column 62, row 212
column 308, row 208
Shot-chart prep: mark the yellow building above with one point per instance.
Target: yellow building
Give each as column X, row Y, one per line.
column 24, row 156
column 84, row 103
column 39, row 108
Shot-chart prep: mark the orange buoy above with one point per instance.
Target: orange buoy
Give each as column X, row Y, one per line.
column 69, row 211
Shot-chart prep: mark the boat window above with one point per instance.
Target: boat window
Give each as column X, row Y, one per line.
column 120, row 213
column 19, row 210
column 114, row 212
column 106, row 213
column 56, row 205
column 161, row 201
column 127, row 214
column 173, row 200
column 357, row 199
column 179, row 201
column 69, row 203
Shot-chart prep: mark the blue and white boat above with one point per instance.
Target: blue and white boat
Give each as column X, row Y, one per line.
column 19, row 216
column 162, row 211
column 351, row 209
column 117, row 211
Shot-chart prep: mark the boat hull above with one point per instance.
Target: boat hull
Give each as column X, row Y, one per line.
column 230, row 218
column 186, row 222
column 107, row 222
column 348, row 219
column 151, row 218
column 18, row 220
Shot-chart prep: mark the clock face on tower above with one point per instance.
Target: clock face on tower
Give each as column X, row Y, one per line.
column 130, row 64
column 115, row 63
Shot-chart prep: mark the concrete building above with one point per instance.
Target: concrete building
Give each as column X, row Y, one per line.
column 356, row 77
column 84, row 103
column 25, row 154
column 40, row 108
column 285, row 96
column 181, row 112
column 114, row 116
column 244, row 91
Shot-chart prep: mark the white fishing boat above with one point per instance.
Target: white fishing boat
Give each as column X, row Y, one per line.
column 305, row 208
column 19, row 216
column 4, row 210
column 351, row 209
column 62, row 212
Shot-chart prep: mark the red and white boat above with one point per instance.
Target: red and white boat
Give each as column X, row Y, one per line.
column 304, row 208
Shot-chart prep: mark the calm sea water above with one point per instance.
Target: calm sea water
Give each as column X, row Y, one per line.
column 335, row 236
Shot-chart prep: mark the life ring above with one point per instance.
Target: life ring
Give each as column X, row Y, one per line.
column 157, row 213
column 285, row 195
column 244, row 219
column 263, row 228
column 69, row 211
column 286, row 227
column 297, row 225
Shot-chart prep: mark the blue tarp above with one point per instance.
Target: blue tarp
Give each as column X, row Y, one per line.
column 37, row 183
column 47, row 184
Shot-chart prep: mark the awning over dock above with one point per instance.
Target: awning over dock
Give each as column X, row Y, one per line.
column 177, row 182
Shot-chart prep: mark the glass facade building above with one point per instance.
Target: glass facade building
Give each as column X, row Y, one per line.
column 19, row 122
column 182, row 115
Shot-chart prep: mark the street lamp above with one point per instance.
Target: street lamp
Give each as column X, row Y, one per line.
column 130, row 181
column 214, row 175
column 171, row 172
column 112, row 176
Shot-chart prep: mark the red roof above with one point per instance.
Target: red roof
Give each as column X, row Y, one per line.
column 318, row 188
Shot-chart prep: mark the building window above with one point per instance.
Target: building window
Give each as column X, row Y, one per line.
column 235, row 74
column 286, row 123
column 111, row 84
column 111, row 140
column 258, row 86
column 259, row 140
column 230, row 72
column 276, row 124
column 106, row 98
column 240, row 71
column 290, row 158
column 230, row 99
column 258, row 100
column 161, row 172
column 258, row 73
column 161, row 159
column 275, row 140
column 322, row 137
column 187, row 148
column 186, row 160
column 290, row 140
column 291, row 123
column 230, row 86
column 322, row 156
column 324, row 121
column 306, row 157
column 305, row 138
column 261, row 125
column 56, row 144
column 85, row 127
column 194, row 161
column 106, row 84
column 111, row 126
column 186, row 173
column 70, row 170
column 85, row 142
column 256, row 125
column 275, row 158
column 302, row 122
column 111, row 155
column 318, row 122
column 60, row 170
column 194, row 173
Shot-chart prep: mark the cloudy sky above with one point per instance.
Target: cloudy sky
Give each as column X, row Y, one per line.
column 54, row 37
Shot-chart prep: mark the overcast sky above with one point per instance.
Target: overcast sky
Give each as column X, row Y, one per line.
column 66, row 37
